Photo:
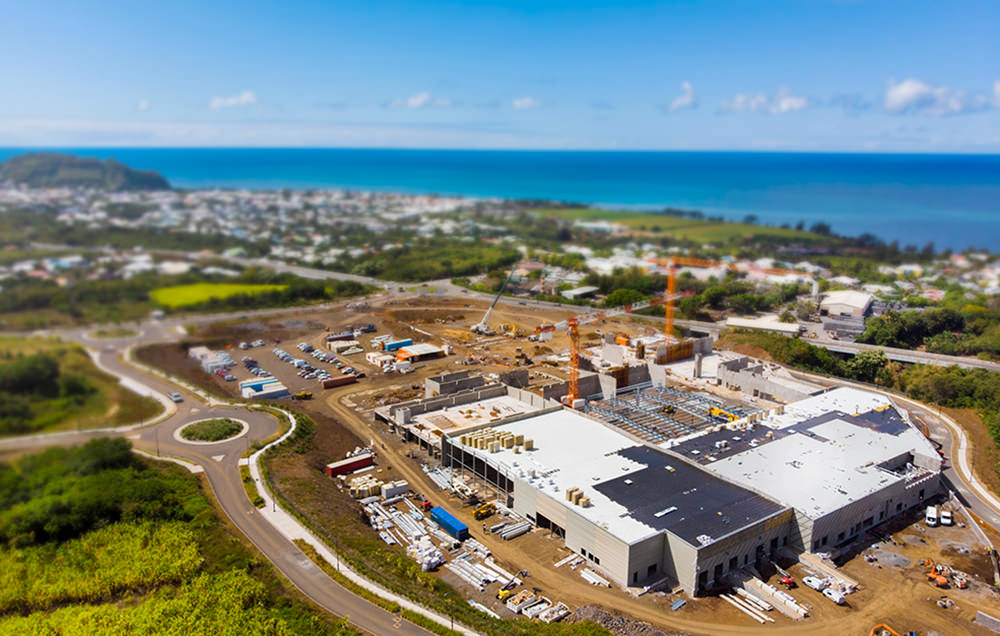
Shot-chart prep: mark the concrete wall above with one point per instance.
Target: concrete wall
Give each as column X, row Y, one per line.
column 517, row 378
column 857, row 517
column 451, row 383
column 742, row 547
column 589, row 384
column 743, row 375
column 402, row 413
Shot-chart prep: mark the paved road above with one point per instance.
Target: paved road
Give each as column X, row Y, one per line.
column 220, row 462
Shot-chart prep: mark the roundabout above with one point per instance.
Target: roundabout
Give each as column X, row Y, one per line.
column 209, row 428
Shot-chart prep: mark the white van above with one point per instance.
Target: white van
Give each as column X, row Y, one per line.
column 946, row 518
column 931, row 516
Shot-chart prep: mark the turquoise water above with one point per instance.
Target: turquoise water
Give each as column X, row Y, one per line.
column 952, row 200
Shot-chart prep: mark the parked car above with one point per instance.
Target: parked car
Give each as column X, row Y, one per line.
column 946, row 518
column 229, row 377
column 175, row 397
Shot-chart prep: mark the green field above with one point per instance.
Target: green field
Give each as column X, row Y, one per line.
column 78, row 396
column 185, row 295
column 681, row 228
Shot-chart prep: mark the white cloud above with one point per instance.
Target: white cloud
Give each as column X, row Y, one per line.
column 420, row 100
column 525, row 103
column 785, row 102
column 142, row 106
column 782, row 102
column 913, row 96
column 246, row 98
column 686, row 99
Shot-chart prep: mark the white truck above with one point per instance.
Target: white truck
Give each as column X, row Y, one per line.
column 931, row 516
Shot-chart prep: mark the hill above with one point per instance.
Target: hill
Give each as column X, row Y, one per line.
column 53, row 170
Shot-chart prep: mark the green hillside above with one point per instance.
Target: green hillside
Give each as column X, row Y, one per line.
column 53, row 170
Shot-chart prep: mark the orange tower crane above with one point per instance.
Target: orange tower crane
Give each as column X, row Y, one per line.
column 572, row 327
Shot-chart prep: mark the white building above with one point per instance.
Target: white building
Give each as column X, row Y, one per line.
column 845, row 460
column 637, row 513
column 846, row 303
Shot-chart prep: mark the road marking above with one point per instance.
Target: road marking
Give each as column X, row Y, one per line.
column 134, row 436
column 195, row 410
column 218, row 458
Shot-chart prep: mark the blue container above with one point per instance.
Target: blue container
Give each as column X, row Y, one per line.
column 450, row 524
column 396, row 344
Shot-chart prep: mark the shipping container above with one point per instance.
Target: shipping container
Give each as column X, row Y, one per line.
column 396, row 344
column 329, row 383
column 351, row 464
column 450, row 524
column 343, row 335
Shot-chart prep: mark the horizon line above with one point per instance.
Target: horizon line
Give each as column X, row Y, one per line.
column 760, row 151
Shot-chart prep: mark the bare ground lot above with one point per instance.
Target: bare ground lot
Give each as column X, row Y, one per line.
column 899, row 596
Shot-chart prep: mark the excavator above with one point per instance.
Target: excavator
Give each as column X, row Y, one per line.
column 936, row 574
column 882, row 630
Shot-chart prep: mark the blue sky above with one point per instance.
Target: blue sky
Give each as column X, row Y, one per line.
column 749, row 75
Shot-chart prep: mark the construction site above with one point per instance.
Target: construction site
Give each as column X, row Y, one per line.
column 543, row 460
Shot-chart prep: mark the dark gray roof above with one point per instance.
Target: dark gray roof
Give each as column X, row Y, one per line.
column 704, row 504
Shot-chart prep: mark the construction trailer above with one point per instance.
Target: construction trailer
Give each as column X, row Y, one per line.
column 363, row 459
column 393, row 345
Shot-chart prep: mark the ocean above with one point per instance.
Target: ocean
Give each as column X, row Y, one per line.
column 950, row 200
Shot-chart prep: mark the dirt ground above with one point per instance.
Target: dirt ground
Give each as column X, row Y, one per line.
column 899, row 596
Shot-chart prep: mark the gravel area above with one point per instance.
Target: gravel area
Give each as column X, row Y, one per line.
column 616, row 624
column 888, row 557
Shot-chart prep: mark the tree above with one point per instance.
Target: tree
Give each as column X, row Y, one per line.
column 820, row 228
column 865, row 366
column 623, row 296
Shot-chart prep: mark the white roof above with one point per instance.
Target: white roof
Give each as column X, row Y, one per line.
column 835, row 464
column 420, row 349
column 572, row 450
column 848, row 297
column 769, row 323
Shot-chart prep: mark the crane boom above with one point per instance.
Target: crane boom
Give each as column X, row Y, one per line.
column 483, row 327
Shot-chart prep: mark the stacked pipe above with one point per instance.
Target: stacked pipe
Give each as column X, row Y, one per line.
column 514, row 531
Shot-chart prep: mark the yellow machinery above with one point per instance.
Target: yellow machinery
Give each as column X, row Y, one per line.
column 722, row 415
column 484, row 511
column 882, row 630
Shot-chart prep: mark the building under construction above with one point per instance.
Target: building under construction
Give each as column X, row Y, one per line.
column 670, row 487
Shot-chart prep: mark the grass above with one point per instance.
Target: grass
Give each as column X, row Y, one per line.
column 98, row 565
column 213, row 430
column 184, row 295
column 115, row 332
column 682, row 228
column 250, row 487
column 111, row 405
